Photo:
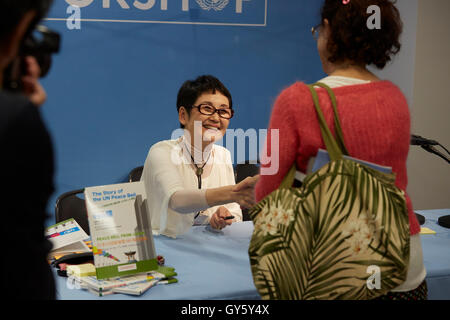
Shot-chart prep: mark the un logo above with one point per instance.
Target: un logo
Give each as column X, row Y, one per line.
column 212, row 4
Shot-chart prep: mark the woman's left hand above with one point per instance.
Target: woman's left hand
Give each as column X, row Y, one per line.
column 217, row 220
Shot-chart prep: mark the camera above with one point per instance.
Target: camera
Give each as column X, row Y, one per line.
column 42, row 43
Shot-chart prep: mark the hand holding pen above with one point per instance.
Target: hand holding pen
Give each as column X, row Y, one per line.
column 221, row 218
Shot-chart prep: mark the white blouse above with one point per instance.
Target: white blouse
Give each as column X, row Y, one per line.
column 168, row 169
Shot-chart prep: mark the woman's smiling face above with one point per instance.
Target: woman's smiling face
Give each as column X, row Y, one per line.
column 206, row 127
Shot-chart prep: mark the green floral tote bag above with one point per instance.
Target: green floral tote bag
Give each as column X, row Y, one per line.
column 344, row 234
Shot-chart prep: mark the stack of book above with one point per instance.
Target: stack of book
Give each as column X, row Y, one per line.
column 133, row 285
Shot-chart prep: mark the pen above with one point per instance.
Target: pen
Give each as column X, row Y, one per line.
column 228, row 218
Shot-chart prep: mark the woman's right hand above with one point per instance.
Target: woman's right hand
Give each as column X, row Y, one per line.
column 244, row 192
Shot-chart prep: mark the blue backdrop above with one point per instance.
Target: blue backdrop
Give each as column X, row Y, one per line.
column 112, row 89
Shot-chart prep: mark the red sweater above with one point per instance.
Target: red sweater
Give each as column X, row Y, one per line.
column 375, row 122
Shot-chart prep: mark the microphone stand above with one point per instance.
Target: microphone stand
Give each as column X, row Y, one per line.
column 429, row 146
column 433, row 150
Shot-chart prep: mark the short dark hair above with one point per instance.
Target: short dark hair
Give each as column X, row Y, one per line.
column 12, row 11
column 192, row 89
column 350, row 37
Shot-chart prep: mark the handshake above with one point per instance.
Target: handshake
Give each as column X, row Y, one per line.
column 244, row 192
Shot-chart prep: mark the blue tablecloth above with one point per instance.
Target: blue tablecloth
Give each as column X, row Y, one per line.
column 436, row 255
column 216, row 265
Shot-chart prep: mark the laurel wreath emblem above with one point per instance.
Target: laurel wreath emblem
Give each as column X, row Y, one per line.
column 217, row 5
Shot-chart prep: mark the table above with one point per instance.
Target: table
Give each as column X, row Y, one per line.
column 214, row 266
column 436, row 255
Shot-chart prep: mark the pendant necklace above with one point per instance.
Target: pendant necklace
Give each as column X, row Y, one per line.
column 199, row 170
column 198, row 173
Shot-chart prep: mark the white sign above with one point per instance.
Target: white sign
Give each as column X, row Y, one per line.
column 201, row 12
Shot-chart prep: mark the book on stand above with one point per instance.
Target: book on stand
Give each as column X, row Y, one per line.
column 121, row 233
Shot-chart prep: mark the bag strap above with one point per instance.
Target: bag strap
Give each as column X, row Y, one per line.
column 335, row 147
column 337, row 123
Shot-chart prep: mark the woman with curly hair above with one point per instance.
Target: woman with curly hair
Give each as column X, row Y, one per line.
column 374, row 113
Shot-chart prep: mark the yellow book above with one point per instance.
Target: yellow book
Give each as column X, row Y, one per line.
column 424, row 230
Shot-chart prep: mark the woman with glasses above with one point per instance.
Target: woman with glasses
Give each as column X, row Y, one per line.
column 190, row 181
column 374, row 113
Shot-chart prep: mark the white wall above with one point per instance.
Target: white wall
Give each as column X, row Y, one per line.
column 429, row 175
column 422, row 71
column 401, row 69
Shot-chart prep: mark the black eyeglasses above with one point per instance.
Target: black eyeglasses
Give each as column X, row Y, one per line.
column 315, row 31
column 209, row 110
